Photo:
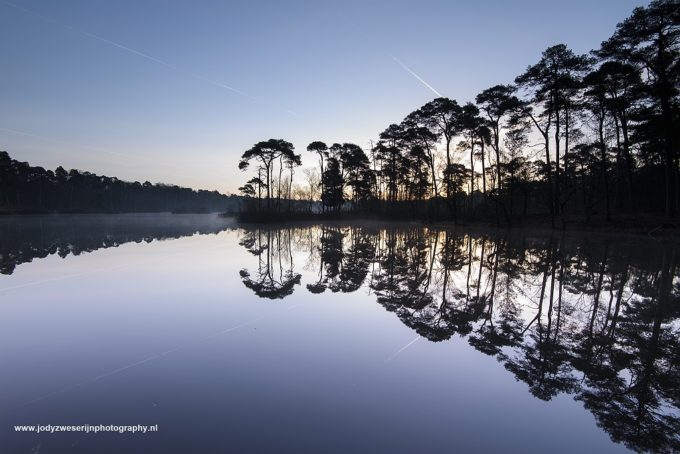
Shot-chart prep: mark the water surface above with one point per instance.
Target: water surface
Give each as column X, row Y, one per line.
column 335, row 338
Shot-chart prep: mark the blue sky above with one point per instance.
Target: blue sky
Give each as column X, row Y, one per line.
column 139, row 89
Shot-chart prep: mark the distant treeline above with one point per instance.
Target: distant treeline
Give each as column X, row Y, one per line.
column 28, row 189
column 575, row 136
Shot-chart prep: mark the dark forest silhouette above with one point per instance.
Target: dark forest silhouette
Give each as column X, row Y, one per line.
column 595, row 318
column 607, row 123
column 28, row 189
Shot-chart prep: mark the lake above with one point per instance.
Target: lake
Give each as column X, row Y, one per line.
column 357, row 337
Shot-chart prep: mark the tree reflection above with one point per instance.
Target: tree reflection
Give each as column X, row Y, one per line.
column 275, row 277
column 23, row 239
column 403, row 277
column 355, row 262
column 594, row 318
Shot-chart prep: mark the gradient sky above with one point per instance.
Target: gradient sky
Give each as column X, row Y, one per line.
column 175, row 91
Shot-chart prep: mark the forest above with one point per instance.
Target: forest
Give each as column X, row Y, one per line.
column 28, row 189
column 575, row 138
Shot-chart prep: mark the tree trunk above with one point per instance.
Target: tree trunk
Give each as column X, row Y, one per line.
column 629, row 159
column 278, row 190
column 497, row 149
column 322, row 204
column 483, row 171
column 557, row 201
column 603, row 154
column 619, row 163
column 551, row 203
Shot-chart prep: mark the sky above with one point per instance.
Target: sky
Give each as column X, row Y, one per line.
column 175, row 91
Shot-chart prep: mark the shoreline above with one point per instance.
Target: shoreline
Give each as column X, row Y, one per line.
column 635, row 225
column 632, row 225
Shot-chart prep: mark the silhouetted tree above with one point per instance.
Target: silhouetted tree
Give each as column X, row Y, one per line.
column 551, row 84
column 650, row 40
column 357, row 172
column 266, row 153
column 321, row 149
column 497, row 102
column 333, row 193
column 442, row 116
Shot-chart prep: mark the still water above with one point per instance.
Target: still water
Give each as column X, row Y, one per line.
column 335, row 338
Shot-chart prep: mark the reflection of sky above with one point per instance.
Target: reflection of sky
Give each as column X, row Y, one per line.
column 309, row 372
column 330, row 63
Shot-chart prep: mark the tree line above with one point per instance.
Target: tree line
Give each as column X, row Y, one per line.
column 28, row 189
column 607, row 125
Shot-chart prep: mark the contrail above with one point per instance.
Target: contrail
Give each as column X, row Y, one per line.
column 100, row 150
column 416, row 76
column 220, row 84
column 168, row 65
column 394, row 355
column 138, row 53
column 60, row 278
column 120, row 46
column 137, row 363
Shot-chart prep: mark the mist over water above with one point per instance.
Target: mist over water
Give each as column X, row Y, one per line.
column 336, row 337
